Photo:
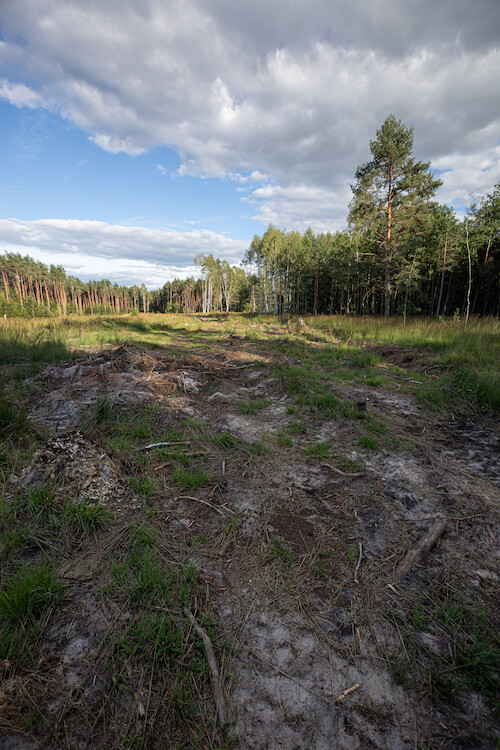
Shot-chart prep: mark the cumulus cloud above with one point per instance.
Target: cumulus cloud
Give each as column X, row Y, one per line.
column 91, row 249
column 244, row 89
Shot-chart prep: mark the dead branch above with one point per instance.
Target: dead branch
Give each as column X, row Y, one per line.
column 414, row 556
column 343, row 473
column 212, row 663
column 359, row 561
column 161, row 445
column 199, row 500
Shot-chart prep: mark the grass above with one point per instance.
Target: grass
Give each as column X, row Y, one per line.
column 280, row 551
column 252, row 406
column 469, row 354
column 26, row 602
column 190, row 478
column 319, row 450
column 145, row 582
column 41, row 517
column 470, row 657
column 156, row 645
column 368, row 441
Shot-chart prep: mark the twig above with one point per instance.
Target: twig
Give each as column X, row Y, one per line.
column 212, row 663
column 343, row 473
column 199, row 500
column 415, row 555
column 347, row 692
column 162, row 445
column 359, row 561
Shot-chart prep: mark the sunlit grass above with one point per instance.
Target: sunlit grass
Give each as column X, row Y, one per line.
column 342, row 345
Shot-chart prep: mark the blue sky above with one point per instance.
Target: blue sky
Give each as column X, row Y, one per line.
column 135, row 134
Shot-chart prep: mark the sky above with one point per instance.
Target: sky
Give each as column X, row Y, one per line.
column 137, row 134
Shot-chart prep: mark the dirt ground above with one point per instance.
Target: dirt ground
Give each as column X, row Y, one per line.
column 296, row 551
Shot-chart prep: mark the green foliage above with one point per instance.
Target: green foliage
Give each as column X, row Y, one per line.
column 391, row 193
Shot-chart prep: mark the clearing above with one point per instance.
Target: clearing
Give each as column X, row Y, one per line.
column 253, row 483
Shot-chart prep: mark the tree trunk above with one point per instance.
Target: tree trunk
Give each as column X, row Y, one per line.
column 387, row 310
column 438, row 308
column 469, row 264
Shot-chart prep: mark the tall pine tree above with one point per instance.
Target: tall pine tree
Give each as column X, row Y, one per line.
column 391, row 193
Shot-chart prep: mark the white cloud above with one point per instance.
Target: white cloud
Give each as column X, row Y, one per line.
column 19, row 95
column 96, row 249
column 257, row 93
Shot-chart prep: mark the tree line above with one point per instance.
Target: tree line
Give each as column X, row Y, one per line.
column 401, row 253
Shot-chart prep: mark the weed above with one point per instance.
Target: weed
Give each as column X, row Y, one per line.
column 101, row 413
column 190, row 478
column 319, row 450
column 145, row 486
column 13, row 421
column 260, row 447
column 13, row 540
column 26, row 602
column 283, row 439
column 231, row 525
column 226, row 441
column 86, row 516
column 368, row 441
column 253, row 405
column 327, row 405
column 280, row 551
column 296, row 428
column 143, row 536
column 350, row 464
column 352, row 553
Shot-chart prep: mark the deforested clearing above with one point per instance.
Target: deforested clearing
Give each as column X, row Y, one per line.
column 238, row 531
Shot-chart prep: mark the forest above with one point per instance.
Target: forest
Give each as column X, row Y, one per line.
column 402, row 253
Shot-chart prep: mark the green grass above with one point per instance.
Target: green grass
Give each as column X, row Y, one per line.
column 145, row 486
column 156, row 642
column 470, row 657
column 26, row 602
column 14, row 424
column 190, row 477
column 368, row 441
column 319, row 450
column 100, row 414
column 279, row 550
column 41, row 517
column 252, row 406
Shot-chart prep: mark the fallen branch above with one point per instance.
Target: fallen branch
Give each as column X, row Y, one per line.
column 414, row 556
column 359, row 561
column 343, row 473
column 199, row 500
column 161, row 445
column 212, row 663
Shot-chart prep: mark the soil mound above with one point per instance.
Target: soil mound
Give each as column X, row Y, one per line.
column 77, row 466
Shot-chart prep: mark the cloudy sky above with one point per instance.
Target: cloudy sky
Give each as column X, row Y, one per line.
column 135, row 134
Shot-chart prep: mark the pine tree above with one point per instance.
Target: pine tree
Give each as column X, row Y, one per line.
column 392, row 192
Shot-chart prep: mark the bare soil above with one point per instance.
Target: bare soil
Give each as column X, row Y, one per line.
column 308, row 619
